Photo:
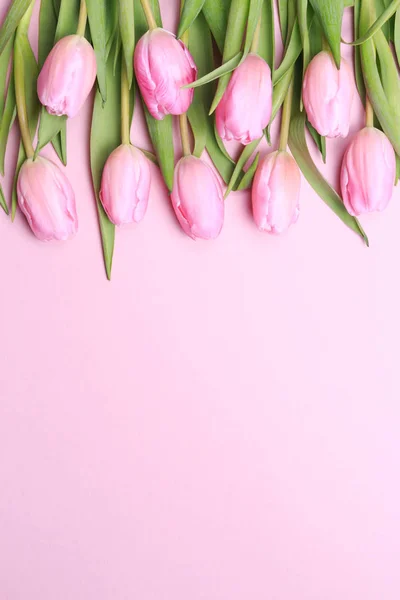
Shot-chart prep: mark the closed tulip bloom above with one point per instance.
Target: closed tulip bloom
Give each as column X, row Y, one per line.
column 125, row 185
column 198, row 199
column 245, row 108
column 47, row 200
column 163, row 65
column 276, row 193
column 328, row 94
column 368, row 172
column 67, row 76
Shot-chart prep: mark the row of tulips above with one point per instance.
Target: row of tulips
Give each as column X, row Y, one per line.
column 246, row 100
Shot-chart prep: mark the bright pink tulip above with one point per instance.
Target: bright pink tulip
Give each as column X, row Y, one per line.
column 125, row 185
column 47, row 200
column 163, row 65
column 67, row 76
column 245, row 108
column 198, row 199
column 328, row 94
column 368, row 172
column 276, row 193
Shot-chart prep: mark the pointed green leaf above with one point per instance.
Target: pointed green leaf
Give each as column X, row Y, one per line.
column 216, row 13
column 8, row 118
column 47, row 29
column 3, row 202
column 103, row 140
column 299, row 149
column 243, row 158
column 378, row 24
column 357, row 56
column 291, row 55
column 302, row 6
column 15, row 13
column 266, row 47
column 283, row 18
column 247, row 179
column 397, row 34
column 225, row 68
column 190, row 11
column 67, row 19
column 4, row 66
column 319, row 140
column 330, row 15
column 238, row 14
column 112, row 22
column 23, row 46
column 97, row 23
column 127, row 30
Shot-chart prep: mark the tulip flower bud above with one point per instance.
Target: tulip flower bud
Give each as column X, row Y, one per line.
column 198, row 199
column 163, row 65
column 245, row 108
column 47, row 200
column 328, row 94
column 276, row 193
column 125, row 185
column 67, row 76
column 368, row 172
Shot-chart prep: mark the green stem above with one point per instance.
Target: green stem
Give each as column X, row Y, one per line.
column 148, row 13
column 19, row 79
column 256, row 39
column 82, row 19
column 184, row 127
column 286, row 114
column 369, row 113
column 125, row 121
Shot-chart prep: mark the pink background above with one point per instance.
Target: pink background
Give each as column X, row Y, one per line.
column 219, row 422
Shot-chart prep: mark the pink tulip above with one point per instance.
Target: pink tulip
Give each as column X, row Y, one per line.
column 328, row 94
column 67, row 76
column 245, row 108
column 276, row 193
column 198, row 199
column 47, row 200
column 163, row 65
column 125, row 185
column 368, row 172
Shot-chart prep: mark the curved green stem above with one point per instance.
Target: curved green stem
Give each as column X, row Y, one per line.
column 148, row 13
column 369, row 113
column 125, row 101
column 286, row 114
column 19, row 79
column 82, row 19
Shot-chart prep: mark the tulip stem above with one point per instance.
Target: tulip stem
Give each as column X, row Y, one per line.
column 256, row 39
column 286, row 114
column 19, row 79
column 148, row 13
column 125, row 101
column 369, row 113
column 82, row 19
column 184, row 127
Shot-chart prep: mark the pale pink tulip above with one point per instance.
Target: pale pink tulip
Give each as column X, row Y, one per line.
column 368, row 172
column 198, row 199
column 328, row 95
column 47, row 200
column 67, row 76
column 245, row 108
column 276, row 193
column 163, row 65
column 125, row 185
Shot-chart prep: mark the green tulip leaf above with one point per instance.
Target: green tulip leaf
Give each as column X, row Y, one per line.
column 291, row 55
column 127, row 30
column 112, row 23
column 237, row 21
column 67, row 23
column 4, row 66
column 299, row 149
column 15, row 13
column 30, row 75
column 190, row 11
column 247, row 179
column 97, row 23
column 7, row 120
column 397, row 34
column 225, row 68
column 302, row 6
column 3, row 202
column 266, row 46
column 319, row 140
column 378, row 24
column 243, row 158
column 216, row 13
column 252, row 22
column 330, row 15
column 283, row 18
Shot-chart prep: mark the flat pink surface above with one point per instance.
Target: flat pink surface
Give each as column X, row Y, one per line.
column 219, row 422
